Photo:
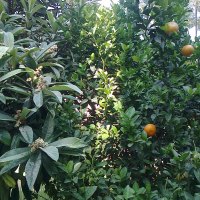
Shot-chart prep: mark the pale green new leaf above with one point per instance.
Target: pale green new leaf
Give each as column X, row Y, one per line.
column 76, row 167
column 69, row 167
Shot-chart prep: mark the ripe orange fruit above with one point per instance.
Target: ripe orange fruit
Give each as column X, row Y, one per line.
column 187, row 50
column 171, row 27
column 150, row 129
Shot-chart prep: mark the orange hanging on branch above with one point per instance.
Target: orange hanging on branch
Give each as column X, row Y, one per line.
column 187, row 50
column 171, row 27
column 150, row 129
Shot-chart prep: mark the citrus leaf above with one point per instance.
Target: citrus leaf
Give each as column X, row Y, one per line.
column 76, row 167
column 70, row 166
column 128, row 192
column 89, row 191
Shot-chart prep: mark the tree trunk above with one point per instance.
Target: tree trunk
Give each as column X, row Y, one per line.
column 196, row 17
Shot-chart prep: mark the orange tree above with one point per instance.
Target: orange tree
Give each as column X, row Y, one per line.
column 132, row 73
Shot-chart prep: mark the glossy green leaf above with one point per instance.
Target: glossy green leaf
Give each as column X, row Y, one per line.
column 128, row 192
column 123, row 172
column 24, row 5
column 58, row 96
column 6, row 117
column 70, row 142
column 89, row 191
column 15, row 141
column 32, row 169
column 197, row 174
column 41, row 54
column 2, row 98
column 9, row 40
column 27, row 112
column 38, row 99
column 18, row 90
column 11, row 74
column 77, row 167
column 52, row 152
column 12, row 164
column 5, row 137
column 15, row 154
column 49, row 64
column 18, row 30
column 66, row 87
column 3, row 51
column 48, row 128
column 52, row 21
column 37, row 8
column 69, row 167
column 9, row 181
column 27, row 133
column 188, row 196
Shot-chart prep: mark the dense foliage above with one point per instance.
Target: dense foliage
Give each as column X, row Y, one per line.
column 89, row 143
